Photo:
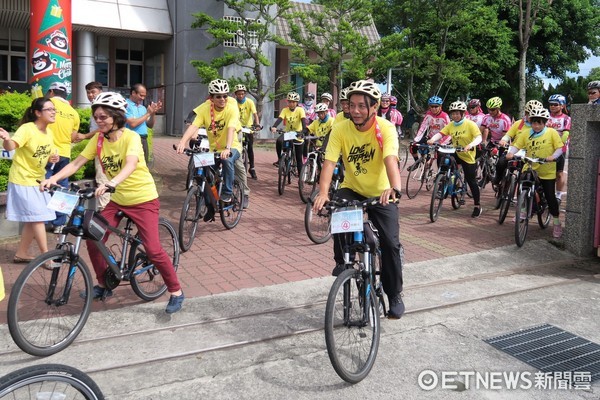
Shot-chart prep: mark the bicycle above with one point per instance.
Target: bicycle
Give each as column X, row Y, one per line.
column 421, row 172
column 201, row 140
column 51, row 299
column 49, row 381
column 448, row 182
column 403, row 155
column 486, row 165
column 203, row 198
column 251, row 130
column 311, row 169
column 531, row 200
column 317, row 225
column 287, row 163
column 355, row 301
column 508, row 186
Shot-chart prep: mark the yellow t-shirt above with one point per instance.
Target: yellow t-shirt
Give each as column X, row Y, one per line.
column 1, row 286
column 517, row 129
column 541, row 147
column 226, row 118
column 139, row 187
column 67, row 122
column 362, row 156
column 31, row 157
column 340, row 118
column 247, row 111
column 320, row 129
column 462, row 135
column 292, row 119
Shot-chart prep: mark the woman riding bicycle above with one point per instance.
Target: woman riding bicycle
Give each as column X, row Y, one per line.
column 120, row 152
column 372, row 142
column 435, row 119
column 543, row 143
column 466, row 134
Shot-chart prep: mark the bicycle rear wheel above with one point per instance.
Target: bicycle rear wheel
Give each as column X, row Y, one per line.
column 282, row 173
column 522, row 217
column 351, row 332
column 191, row 212
column 544, row 215
column 308, row 178
column 231, row 213
column 44, row 314
column 317, row 224
column 437, row 197
column 506, row 197
column 146, row 280
column 415, row 179
column 49, row 381
column 458, row 197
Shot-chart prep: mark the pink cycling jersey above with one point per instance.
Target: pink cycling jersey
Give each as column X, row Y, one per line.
column 561, row 123
column 434, row 123
column 477, row 118
column 392, row 115
column 497, row 126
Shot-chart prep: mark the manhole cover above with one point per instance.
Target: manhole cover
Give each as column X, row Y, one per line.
column 551, row 349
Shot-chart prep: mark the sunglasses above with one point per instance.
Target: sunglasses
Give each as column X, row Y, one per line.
column 434, row 106
column 101, row 117
column 554, row 105
column 219, row 96
column 472, row 107
column 592, row 92
column 494, row 109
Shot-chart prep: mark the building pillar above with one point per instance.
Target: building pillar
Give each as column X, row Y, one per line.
column 86, row 66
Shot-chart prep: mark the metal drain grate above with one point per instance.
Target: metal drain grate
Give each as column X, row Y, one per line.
column 551, row 349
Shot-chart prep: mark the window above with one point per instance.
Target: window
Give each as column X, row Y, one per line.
column 238, row 38
column 13, row 55
column 129, row 59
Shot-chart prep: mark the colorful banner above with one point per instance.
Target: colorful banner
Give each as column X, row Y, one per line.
column 50, row 45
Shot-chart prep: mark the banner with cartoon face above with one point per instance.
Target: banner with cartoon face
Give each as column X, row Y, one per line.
column 50, row 45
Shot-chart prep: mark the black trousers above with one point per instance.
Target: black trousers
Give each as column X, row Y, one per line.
column 385, row 219
column 250, row 143
column 470, row 171
column 145, row 147
column 297, row 150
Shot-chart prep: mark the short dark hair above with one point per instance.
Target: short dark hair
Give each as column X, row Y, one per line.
column 137, row 87
column 93, row 85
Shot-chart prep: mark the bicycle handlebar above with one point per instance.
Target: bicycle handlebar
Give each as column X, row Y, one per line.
column 371, row 201
column 191, row 152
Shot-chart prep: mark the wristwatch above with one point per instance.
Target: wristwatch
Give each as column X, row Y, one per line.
column 228, row 147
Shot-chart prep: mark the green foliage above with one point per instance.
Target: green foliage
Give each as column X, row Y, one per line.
column 84, row 119
column 88, row 171
column 12, row 109
column 4, row 168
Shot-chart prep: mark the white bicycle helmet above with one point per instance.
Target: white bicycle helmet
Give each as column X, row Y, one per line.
column 458, row 106
column 594, row 85
column 539, row 113
column 237, row 88
column 327, row 96
column 344, row 94
column 531, row 104
column 110, row 99
column 218, row 86
column 321, row 107
column 364, row 87
column 293, row 96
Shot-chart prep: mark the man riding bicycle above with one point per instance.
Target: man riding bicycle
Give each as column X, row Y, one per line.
column 369, row 148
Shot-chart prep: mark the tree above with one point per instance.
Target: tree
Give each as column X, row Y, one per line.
column 253, row 29
column 329, row 43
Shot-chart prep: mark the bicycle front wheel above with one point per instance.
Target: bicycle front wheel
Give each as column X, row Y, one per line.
column 506, row 197
column 415, row 179
column 191, row 213
column 522, row 217
column 458, row 197
column 191, row 170
column 351, row 331
column 49, row 381
column 402, row 156
column 543, row 214
column 317, row 224
column 231, row 213
column 437, row 197
column 282, row 174
column 146, row 280
column 45, row 310
column 308, row 178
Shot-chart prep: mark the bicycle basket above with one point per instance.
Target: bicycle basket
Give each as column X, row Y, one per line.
column 94, row 225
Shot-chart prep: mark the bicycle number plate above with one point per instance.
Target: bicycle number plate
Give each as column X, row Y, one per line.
column 63, row 202
column 447, row 150
column 204, row 159
column 289, row 135
column 246, row 130
column 347, row 221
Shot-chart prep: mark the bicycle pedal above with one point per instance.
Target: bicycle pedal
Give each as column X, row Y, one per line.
column 461, row 202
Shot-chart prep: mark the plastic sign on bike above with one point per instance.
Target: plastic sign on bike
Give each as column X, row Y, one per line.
column 290, row 135
column 347, row 221
column 63, row 202
column 204, row 159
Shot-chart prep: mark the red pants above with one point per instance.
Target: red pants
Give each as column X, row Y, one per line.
column 145, row 216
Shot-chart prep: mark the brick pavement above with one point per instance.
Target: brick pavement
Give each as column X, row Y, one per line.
column 270, row 245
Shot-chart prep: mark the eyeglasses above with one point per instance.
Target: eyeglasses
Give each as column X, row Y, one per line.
column 494, row 109
column 592, row 92
column 219, row 96
column 554, row 105
column 101, row 117
column 49, row 109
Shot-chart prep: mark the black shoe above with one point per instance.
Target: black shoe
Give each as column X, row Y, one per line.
column 246, row 202
column 412, row 167
column 226, row 197
column 276, row 164
column 477, row 211
column 252, row 173
column 339, row 268
column 396, row 307
column 99, row 293
column 175, row 303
